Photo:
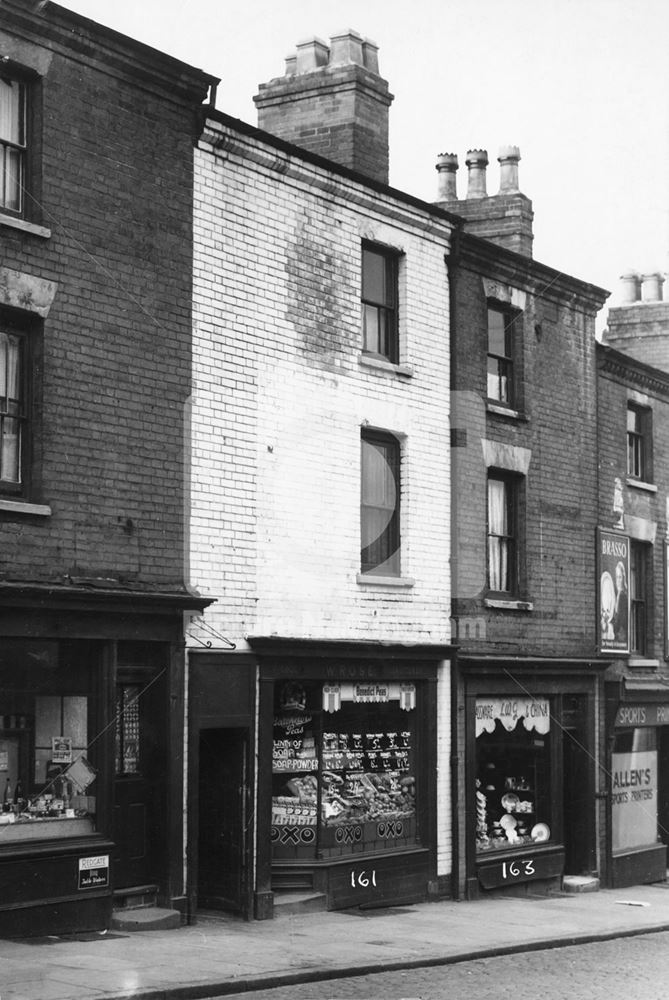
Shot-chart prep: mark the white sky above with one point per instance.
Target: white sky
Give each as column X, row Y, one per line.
column 581, row 86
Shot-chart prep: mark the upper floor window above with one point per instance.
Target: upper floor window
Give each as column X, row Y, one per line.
column 502, row 533
column 12, row 144
column 501, row 333
column 379, row 302
column 639, row 442
column 380, row 504
column 639, row 597
column 13, row 410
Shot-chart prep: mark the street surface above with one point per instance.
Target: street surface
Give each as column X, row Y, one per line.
column 633, row 968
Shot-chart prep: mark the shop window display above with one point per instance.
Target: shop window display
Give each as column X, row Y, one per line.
column 44, row 768
column 634, row 792
column 513, row 795
column 343, row 769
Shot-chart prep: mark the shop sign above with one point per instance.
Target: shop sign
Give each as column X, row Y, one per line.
column 61, row 749
column 634, row 799
column 371, row 693
column 523, row 868
column 94, row 872
column 642, row 715
column 535, row 713
column 613, row 598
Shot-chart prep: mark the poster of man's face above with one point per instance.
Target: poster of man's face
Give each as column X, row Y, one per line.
column 614, row 598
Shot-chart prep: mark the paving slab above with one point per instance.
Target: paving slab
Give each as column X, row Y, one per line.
column 221, row 954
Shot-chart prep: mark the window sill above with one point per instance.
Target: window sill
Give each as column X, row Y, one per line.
column 638, row 484
column 641, row 663
column 369, row 580
column 504, row 411
column 25, row 227
column 508, row 605
column 23, row 507
column 380, row 364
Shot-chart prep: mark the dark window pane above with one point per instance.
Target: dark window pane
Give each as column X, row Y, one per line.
column 380, row 495
column 497, row 335
column 374, row 286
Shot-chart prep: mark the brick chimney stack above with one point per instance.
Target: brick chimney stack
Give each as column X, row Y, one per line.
column 332, row 101
column 505, row 218
column 639, row 326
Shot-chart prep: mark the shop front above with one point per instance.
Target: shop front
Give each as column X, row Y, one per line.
column 529, row 774
column 88, row 756
column 638, row 712
column 347, row 782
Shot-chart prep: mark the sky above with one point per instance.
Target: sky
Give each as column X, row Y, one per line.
column 581, row 86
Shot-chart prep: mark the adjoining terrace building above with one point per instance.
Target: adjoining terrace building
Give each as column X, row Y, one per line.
column 633, row 582
column 320, row 716
column 96, row 136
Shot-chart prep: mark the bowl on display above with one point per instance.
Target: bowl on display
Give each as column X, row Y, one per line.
column 540, row 833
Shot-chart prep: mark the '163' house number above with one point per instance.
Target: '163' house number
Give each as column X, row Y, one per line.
column 492, row 876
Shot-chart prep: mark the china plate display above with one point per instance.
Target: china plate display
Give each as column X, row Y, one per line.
column 510, row 802
column 540, row 832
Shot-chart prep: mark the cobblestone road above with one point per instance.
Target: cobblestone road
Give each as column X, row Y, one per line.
column 634, row 968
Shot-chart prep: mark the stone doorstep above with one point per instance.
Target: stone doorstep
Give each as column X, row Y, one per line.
column 298, row 902
column 147, row 918
column 580, row 883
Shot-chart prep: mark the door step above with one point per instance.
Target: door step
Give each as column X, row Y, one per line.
column 298, row 902
column 145, row 918
column 135, row 897
column 580, row 883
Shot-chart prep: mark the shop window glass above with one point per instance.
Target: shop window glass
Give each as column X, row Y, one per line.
column 344, row 768
column 46, row 776
column 634, row 789
column 513, row 793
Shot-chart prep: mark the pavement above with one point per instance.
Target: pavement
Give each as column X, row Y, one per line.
column 223, row 955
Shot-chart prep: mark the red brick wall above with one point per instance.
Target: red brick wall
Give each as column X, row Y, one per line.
column 555, row 421
column 116, row 190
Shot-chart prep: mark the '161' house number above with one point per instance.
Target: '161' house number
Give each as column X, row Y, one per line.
column 362, row 880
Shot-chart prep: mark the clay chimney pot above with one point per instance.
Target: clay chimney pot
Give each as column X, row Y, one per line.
column 477, row 161
column 447, row 166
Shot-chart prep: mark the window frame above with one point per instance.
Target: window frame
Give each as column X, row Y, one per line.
column 389, row 541
column 20, row 487
column 640, row 592
column 509, row 540
column 18, row 146
column 384, row 307
column 506, row 363
column 639, row 442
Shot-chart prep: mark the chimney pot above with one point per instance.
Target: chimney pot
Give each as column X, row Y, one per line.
column 651, row 287
column 346, row 47
column 447, row 166
column 630, row 286
column 508, row 169
column 291, row 65
column 311, row 54
column 477, row 161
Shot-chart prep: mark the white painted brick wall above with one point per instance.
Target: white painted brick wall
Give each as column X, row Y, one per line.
column 280, row 397
column 279, row 400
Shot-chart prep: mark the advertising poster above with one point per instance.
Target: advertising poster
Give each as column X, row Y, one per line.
column 634, row 799
column 614, row 597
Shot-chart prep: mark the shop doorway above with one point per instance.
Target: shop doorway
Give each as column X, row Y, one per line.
column 577, row 789
column 138, row 825
column 222, row 820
